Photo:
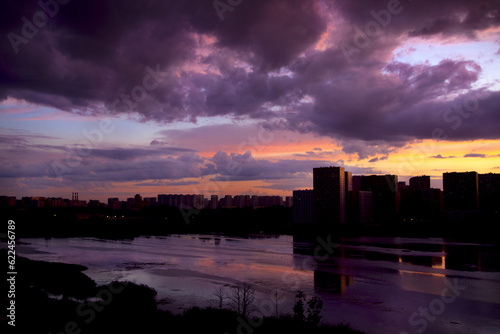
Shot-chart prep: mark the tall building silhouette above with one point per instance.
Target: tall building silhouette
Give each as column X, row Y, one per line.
column 385, row 194
column 356, row 182
column 419, row 201
column 329, row 195
column 461, row 191
column 348, row 183
column 489, row 192
column 422, row 183
column 360, row 207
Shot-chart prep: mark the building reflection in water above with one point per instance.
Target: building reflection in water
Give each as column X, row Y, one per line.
column 331, row 282
column 324, row 281
column 439, row 262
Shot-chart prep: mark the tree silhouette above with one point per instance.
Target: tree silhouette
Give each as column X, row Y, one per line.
column 242, row 296
column 220, row 294
column 276, row 297
column 298, row 308
column 314, row 307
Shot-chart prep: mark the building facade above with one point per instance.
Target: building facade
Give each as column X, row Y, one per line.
column 329, row 195
column 461, row 191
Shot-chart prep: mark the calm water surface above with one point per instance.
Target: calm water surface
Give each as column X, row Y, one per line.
column 377, row 285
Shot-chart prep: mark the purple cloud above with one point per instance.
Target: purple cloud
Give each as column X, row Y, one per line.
column 171, row 61
column 439, row 156
column 475, row 155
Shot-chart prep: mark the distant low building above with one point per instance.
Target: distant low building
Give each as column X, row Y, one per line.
column 112, row 202
column 214, row 201
column 150, row 201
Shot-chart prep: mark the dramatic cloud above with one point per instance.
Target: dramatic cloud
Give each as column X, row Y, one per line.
column 243, row 79
column 170, row 60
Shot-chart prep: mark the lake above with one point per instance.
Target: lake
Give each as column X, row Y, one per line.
column 376, row 284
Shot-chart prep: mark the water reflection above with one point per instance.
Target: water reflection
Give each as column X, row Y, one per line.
column 331, row 282
column 438, row 254
column 364, row 279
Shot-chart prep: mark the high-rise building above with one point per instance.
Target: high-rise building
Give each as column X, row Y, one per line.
column 402, row 186
column 422, row 183
column 435, row 197
column 303, row 206
column 385, row 193
column 348, row 183
column 360, row 208
column 461, row 191
column 329, row 195
column 356, row 182
column 489, row 192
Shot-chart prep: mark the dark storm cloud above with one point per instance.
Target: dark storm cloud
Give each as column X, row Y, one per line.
column 426, row 18
column 391, row 108
column 93, row 51
column 267, row 33
column 93, row 56
column 372, row 106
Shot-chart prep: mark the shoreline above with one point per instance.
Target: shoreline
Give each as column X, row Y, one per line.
column 59, row 296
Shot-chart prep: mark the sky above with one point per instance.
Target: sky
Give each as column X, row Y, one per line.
column 117, row 98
